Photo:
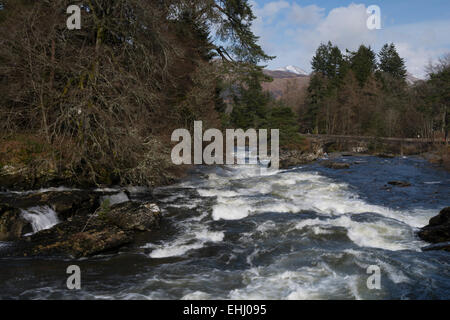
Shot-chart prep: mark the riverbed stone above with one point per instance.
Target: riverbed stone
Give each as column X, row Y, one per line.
column 66, row 203
column 438, row 229
column 82, row 236
column 336, row 165
column 401, row 184
column 135, row 216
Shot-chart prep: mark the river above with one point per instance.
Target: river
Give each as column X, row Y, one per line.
column 305, row 233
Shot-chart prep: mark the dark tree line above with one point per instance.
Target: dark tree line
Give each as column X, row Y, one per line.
column 364, row 93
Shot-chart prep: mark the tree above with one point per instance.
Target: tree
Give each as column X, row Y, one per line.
column 230, row 21
column 440, row 93
column 318, row 92
column 107, row 97
column 283, row 118
column 250, row 104
column 363, row 63
column 391, row 62
column 329, row 69
column 328, row 61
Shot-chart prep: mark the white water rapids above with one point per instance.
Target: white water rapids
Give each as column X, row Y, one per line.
column 288, row 192
column 305, row 233
column 40, row 218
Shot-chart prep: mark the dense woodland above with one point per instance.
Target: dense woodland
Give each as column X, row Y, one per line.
column 99, row 104
column 364, row 93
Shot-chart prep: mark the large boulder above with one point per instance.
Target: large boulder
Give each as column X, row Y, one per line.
column 75, row 238
column 438, row 229
column 135, row 216
column 66, row 203
column 82, row 236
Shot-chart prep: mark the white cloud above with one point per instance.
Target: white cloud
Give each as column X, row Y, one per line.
column 273, row 8
column 346, row 27
column 293, row 33
column 305, row 15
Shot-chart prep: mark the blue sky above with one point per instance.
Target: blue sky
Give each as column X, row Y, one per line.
column 292, row 29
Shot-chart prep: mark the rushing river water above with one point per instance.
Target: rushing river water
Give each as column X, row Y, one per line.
column 304, row 233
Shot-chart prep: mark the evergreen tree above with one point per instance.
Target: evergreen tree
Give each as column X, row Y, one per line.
column 250, row 105
column 321, row 60
column 363, row 63
column 329, row 68
column 230, row 21
column 318, row 91
column 391, row 62
column 254, row 108
column 328, row 61
column 283, row 118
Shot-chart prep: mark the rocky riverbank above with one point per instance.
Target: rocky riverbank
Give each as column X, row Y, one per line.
column 438, row 231
column 296, row 157
column 89, row 222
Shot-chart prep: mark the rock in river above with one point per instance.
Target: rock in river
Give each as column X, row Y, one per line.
column 336, row 165
column 65, row 203
column 438, row 229
column 402, row 184
column 82, row 236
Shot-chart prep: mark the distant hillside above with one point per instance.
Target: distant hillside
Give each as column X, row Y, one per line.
column 293, row 69
column 298, row 78
column 410, row 79
column 293, row 77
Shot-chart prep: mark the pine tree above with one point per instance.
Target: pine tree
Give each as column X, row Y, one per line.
column 320, row 61
column 391, row 62
column 328, row 61
column 329, row 68
column 231, row 22
column 363, row 63
column 318, row 91
column 250, row 106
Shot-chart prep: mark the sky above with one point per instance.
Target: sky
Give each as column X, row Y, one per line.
column 293, row 29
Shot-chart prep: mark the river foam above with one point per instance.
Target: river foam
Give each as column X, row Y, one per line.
column 309, row 232
column 40, row 218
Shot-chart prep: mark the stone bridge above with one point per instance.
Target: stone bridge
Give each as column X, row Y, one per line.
column 363, row 144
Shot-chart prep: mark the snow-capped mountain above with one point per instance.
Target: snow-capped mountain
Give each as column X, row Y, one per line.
column 410, row 79
column 294, row 69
